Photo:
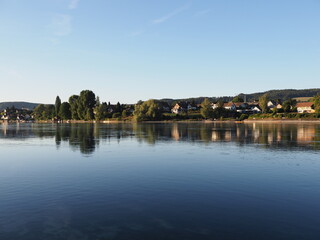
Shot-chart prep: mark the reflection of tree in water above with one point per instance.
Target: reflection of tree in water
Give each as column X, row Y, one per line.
column 82, row 137
column 86, row 137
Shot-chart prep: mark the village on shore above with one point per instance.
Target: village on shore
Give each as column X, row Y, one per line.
column 87, row 107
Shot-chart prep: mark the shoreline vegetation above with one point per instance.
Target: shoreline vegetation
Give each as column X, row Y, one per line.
column 86, row 107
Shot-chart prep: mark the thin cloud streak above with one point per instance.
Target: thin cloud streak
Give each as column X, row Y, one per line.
column 172, row 14
column 73, row 4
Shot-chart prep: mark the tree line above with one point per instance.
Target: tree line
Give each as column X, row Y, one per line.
column 86, row 106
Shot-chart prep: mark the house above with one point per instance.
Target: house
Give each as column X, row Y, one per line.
column 256, row 109
column 230, row 106
column 279, row 106
column 180, row 107
column 240, row 106
column 214, row 105
column 253, row 108
column 305, row 107
column 271, row 104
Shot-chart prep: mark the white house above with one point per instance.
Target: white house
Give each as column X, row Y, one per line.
column 230, row 106
column 305, row 107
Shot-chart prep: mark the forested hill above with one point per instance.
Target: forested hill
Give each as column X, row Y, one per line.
column 284, row 94
column 18, row 105
column 273, row 94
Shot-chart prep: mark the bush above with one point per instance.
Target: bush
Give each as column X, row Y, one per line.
column 116, row 115
column 243, row 117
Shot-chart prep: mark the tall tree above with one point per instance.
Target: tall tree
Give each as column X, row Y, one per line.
column 118, row 108
column 87, row 101
column 206, row 109
column 263, row 103
column 316, row 104
column 65, row 112
column 74, row 104
column 57, row 105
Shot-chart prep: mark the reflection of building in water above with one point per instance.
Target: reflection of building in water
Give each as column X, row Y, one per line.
column 4, row 126
column 270, row 137
column 86, row 137
column 279, row 135
column 175, row 132
column 215, row 136
column 305, row 134
column 255, row 134
column 228, row 136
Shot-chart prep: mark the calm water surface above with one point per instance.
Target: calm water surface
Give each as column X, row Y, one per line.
column 159, row 181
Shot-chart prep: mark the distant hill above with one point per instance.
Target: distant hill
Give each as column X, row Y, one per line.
column 283, row 94
column 18, row 105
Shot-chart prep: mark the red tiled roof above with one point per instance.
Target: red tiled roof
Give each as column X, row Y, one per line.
column 305, row 104
column 229, row 104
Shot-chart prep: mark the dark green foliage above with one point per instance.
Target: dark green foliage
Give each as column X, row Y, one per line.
column 116, row 115
column 243, row 117
column 65, row 113
column 316, row 104
column 44, row 112
column 73, row 101
column 86, row 103
column 101, row 111
column 118, row 108
column 272, row 94
column 57, row 106
column 221, row 112
column 289, row 105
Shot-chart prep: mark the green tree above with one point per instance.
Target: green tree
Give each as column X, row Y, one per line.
column 206, row 109
column 316, row 103
column 263, row 103
column 74, row 104
column 149, row 110
column 57, row 106
column 86, row 103
column 118, row 108
column 44, row 112
column 65, row 112
column 124, row 113
column 101, row 111
column 289, row 105
column 237, row 99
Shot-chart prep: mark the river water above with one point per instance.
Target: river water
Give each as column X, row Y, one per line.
column 160, row 181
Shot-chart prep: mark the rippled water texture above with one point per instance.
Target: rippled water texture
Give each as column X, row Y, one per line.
column 159, row 181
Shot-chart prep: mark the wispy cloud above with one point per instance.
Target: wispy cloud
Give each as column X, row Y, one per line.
column 172, row 14
column 202, row 12
column 73, row 4
column 61, row 24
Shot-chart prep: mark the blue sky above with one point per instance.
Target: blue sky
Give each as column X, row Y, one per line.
column 127, row 50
